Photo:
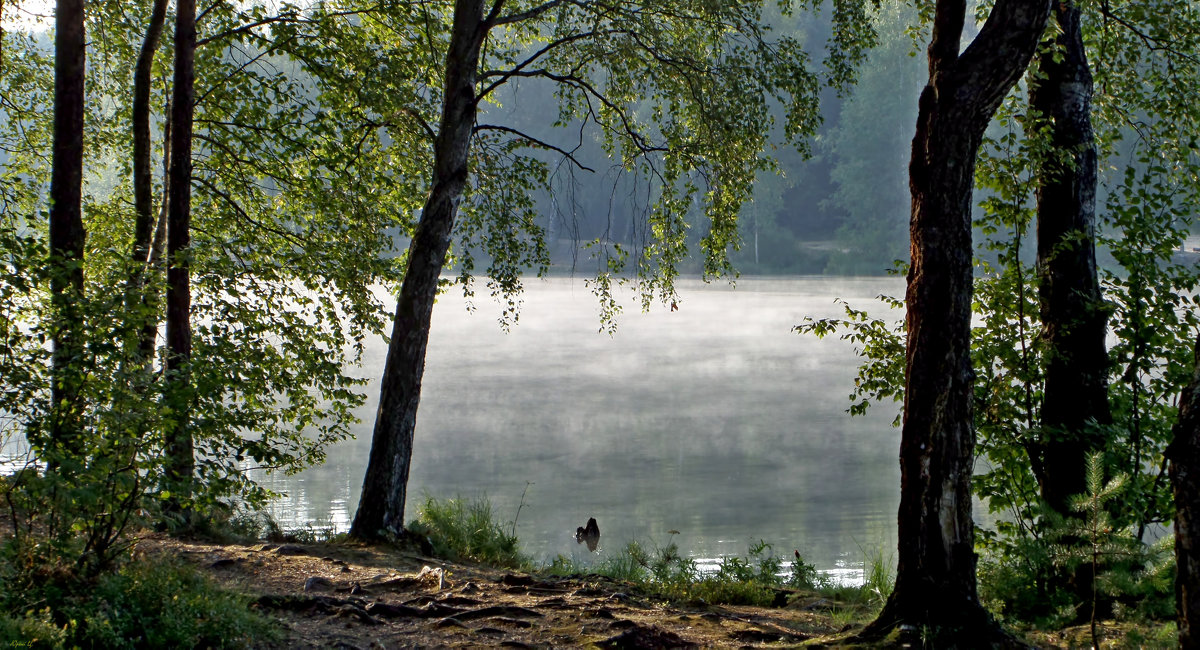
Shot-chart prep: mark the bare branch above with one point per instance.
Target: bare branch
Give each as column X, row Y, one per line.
column 237, row 208
column 495, row 20
column 569, row 155
column 282, row 18
column 505, row 75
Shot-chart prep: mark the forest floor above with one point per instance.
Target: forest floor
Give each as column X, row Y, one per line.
column 342, row 595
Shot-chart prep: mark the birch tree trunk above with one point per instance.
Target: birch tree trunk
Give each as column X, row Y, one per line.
column 385, row 486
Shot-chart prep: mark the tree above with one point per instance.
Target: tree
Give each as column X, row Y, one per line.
column 143, row 328
column 935, row 579
column 381, row 506
column 66, row 227
column 177, row 437
column 1184, row 455
column 695, row 128
column 1073, row 313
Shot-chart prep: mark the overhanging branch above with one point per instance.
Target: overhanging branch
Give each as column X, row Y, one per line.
column 569, row 155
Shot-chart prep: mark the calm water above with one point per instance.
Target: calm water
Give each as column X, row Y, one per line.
column 714, row 420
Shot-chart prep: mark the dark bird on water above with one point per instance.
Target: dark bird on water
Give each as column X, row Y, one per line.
column 589, row 534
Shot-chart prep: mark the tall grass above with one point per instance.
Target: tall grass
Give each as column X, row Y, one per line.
column 461, row 529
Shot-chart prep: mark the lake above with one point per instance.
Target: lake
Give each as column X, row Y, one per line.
column 715, row 420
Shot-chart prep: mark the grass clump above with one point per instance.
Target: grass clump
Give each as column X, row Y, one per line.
column 148, row 603
column 461, row 529
column 758, row 578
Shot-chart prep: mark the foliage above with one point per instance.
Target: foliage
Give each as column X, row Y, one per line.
column 1133, row 580
column 878, row 342
column 1142, row 105
column 150, row 603
column 466, row 529
column 282, row 293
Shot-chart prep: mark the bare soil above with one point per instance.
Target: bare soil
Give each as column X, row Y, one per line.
column 349, row 596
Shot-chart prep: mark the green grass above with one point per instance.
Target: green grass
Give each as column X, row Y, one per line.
column 461, row 529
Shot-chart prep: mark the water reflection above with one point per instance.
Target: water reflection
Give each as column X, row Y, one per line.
column 715, row 421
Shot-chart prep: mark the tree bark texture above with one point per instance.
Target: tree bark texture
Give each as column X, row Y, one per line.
column 1184, row 455
column 935, row 581
column 1074, row 320
column 180, row 462
column 381, row 507
column 138, row 305
column 67, row 235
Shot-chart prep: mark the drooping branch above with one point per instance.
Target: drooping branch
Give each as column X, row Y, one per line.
column 569, row 155
column 290, row 17
column 640, row 141
column 505, row 75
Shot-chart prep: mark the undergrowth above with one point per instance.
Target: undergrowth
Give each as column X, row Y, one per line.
column 149, row 603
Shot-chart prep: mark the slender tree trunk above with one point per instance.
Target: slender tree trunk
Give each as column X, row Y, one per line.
column 1074, row 321
column 67, row 235
column 385, row 486
column 180, row 461
column 138, row 305
column 143, row 202
column 1184, row 454
column 935, row 592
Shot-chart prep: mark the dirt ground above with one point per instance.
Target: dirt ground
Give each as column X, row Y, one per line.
column 348, row 596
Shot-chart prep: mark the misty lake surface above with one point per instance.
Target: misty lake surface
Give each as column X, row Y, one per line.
column 715, row 420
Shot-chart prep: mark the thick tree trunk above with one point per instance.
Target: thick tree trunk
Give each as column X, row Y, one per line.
column 935, row 591
column 385, row 486
column 1184, row 454
column 66, row 225
column 180, row 461
column 1073, row 317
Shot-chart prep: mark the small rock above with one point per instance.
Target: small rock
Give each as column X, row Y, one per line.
column 317, row 583
column 449, row 621
column 265, row 547
column 291, row 549
column 469, row 588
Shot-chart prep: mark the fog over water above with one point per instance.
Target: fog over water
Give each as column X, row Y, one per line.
column 715, row 420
